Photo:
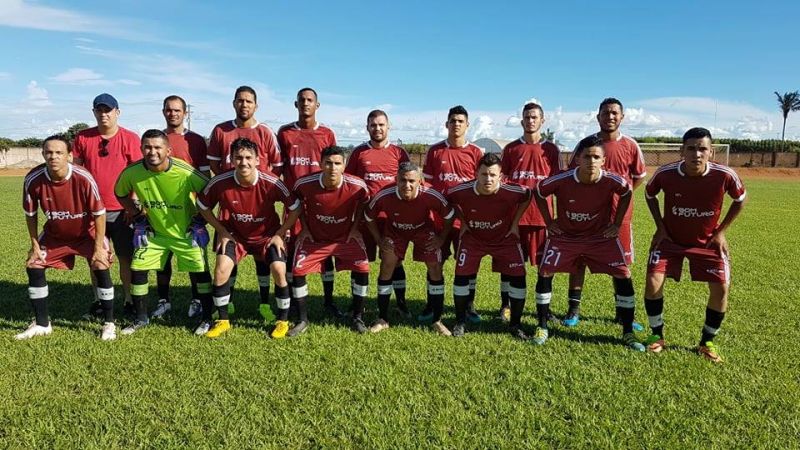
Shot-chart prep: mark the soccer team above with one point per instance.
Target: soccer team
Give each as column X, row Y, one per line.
column 152, row 198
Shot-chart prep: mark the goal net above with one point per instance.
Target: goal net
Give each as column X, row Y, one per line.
column 657, row 154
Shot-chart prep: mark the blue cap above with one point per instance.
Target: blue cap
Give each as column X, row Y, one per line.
column 105, row 99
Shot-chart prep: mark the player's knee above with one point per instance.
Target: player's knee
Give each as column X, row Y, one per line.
column 435, row 271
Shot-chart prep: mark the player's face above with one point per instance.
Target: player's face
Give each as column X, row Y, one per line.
column 306, row 104
column 457, row 126
column 156, row 151
column 592, row 160
column 610, row 118
column 55, row 155
column 245, row 105
column 174, row 113
column 488, row 179
column 378, row 128
column 696, row 153
column 245, row 162
column 332, row 169
column 407, row 184
column 106, row 117
column 532, row 121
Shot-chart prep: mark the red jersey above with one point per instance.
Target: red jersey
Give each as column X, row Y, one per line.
column 408, row 217
column 489, row 217
column 527, row 164
column 330, row 214
column 623, row 157
column 223, row 135
column 583, row 210
column 692, row 205
column 248, row 212
column 190, row 147
column 376, row 166
column 69, row 205
column 447, row 166
column 123, row 148
column 301, row 150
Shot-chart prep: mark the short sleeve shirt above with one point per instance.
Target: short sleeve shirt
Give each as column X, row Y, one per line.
column 489, row 216
column 447, row 166
column 223, row 135
column 376, row 166
column 301, row 150
column 190, row 147
column 526, row 165
column 330, row 214
column 408, row 217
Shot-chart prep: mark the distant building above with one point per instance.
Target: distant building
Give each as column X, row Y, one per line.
column 491, row 145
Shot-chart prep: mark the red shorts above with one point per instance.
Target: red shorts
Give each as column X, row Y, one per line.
column 507, row 257
column 705, row 264
column 59, row 255
column 532, row 238
column 600, row 255
column 626, row 239
column 420, row 240
column 309, row 257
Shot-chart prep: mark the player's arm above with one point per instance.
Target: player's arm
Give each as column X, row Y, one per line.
column 544, row 210
column 521, row 208
column 277, row 238
column 32, row 222
column 129, row 204
column 622, row 207
column 637, row 182
column 439, row 239
column 223, row 234
column 661, row 230
column 100, row 251
column 718, row 240
column 354, row 233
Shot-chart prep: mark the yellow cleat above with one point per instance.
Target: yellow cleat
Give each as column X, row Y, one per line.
column 280, row 330
column 220, row 327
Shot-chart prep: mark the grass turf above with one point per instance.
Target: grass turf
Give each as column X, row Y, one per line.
column 406, row 387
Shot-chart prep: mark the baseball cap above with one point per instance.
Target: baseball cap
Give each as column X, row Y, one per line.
column 105, row 99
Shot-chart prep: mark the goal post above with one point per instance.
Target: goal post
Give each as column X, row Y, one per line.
column 658, row 154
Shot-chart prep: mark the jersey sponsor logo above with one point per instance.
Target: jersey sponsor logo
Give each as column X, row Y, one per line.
column 407, row 226
column 690, row 213
column 160, row 204
column 526, row 175
column 247, row 218
column 330, row 220
column 450, row 176
column 302, row 161
column 484, row 224
column 63, row 215
column 377, row 176
column 580, row 217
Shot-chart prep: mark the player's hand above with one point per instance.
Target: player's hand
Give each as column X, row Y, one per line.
column 277, row 242
column 198, row 232
column 718, row 242
column 513, row 231
column 658, row 237
column 36, row 255
column 141, row 231
column 222, row 240
column 356, row 236
column 554, row 229
column 305, row 235
column 434, row 243
column 611, row 231
column 386, row 245
column 100, row 257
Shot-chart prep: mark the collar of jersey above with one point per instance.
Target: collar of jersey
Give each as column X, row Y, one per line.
column 233, row 122
column 397, row 192
column 575, row 176
column 236, row 179
column 69, row 174
column 341, row 182
column 683, row 174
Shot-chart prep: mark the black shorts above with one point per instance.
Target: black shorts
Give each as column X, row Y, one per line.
column 120, row 233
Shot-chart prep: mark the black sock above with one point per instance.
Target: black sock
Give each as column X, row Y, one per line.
column 263, row 275
column 140, row 307
column 436, row 298
column 105, row 293
column 221, row 297
column 399, row 284
column 655, row 308
column 473, row 279
column 40, row 310
column 283, row 301
column 711, row 327
column 300, row 296
column 574, row 296
column 625, row 303
column 360, row 287
column 544, row 292
column 504, row 285
column 231, row 283
column 302, row 308
column 327, row 281
column 384, row 293
column 516, row 296
column 37, row 287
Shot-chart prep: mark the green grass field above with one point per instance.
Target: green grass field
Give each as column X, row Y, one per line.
column 406, row 387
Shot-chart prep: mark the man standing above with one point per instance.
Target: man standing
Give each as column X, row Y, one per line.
column 489, row 211
column 406, row 208
column 249, row 224
column 623, row 157
column 105, row 150
column 190, row 147
column 583, row 233
column 694, row 189
column 525, row 162
column 75, row 225
column 332, row 203
column 448, row 163
column 376, row 162
column 168, row 223
column 301, row 145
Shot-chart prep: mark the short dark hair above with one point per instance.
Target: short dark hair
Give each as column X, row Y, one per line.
column 332, row 151
column 241, row 89
column 407, row 166
column 610, row 101
column 376, row 113
column 588, row 142
column 173, row 98
column 58, row 137
column 243, row 144
column 308, row 89
column 489, row 160
column 696, row 133
column 532, row 105
column 458, row 109
column 155, row 133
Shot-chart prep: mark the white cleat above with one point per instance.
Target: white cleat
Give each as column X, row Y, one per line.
column 108, row 332
column 202, row 329
column 34, row 330
column 163, row 308
column 195, row 308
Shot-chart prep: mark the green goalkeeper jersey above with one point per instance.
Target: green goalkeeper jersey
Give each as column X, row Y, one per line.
column 167, row 197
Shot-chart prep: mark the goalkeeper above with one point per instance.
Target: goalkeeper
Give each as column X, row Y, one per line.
column 167, row 222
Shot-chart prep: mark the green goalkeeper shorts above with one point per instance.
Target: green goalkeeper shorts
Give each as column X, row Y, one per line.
column 154, row 255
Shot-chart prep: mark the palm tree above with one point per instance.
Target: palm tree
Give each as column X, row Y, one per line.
column 789, row 101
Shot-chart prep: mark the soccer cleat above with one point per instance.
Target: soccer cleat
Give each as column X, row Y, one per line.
column 280, row 330
column 195, row 308
column 459, row 330
column 379, row 326
column 473, row 316
column 655, row 343
column 203, row 328
column 162, row 308
column 298, row 329
column 220, row 327
column 440, row 329
column 540, row 336
column 333, row 311
column 134, row 327
column 519, row 334
column 630, row 341
column 571, row 320
column 358, row 326
column 402, row 311
column 709, row 351
column 95, row 311
column 34, row 330
column 108, row 332
column 505, row 314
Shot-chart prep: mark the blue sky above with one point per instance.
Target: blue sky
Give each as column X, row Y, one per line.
column 673, row 64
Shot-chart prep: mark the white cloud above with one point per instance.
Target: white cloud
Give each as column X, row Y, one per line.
column 37, row 96
column 81, row 76
column 5, row 76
